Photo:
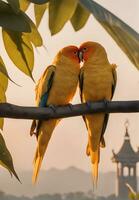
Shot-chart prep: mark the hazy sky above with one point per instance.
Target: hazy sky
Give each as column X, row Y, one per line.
column 68, row 144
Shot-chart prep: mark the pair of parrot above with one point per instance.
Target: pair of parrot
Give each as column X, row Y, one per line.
column 57, row 86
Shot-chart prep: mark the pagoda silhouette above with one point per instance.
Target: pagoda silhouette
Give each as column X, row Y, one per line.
column 126, row 160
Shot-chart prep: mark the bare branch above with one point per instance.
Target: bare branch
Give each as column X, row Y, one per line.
column 19, row 112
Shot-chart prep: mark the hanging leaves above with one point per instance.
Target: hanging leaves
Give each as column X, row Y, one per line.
column 3, row 72
column 14, row 5
column 3, row 77
column 2, row 100
column 18, row 45
column 59, row 13
column 6, row 159
column 20, row 50
column 3, row 86
column 126, row 38
column 11, row 20
column 39, row 11
column 34, row 36
column 80, row 17
column 2, row 95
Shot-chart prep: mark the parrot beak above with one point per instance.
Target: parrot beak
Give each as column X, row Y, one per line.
column 80, row 56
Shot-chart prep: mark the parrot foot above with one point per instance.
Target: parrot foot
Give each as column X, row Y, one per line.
column 70, row 106
column 88, row 103
column 53, row 107
column 105, row 101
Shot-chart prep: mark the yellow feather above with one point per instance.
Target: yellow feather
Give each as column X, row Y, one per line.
column 44, row 136
column 37, row 165
column 95, row 174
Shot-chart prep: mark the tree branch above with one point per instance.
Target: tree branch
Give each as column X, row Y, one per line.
column 19, row 112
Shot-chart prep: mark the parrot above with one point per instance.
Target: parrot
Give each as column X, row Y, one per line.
column 56, row 87
column 97, row 82
column 6, row 159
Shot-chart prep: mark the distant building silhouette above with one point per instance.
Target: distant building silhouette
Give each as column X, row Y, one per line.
column 126, row 160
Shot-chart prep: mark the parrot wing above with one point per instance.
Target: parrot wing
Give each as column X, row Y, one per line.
column 44, row 85
column 6, row 159
column 114, row 74
column 42, row 90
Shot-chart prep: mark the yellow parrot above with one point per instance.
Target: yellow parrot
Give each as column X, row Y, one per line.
column 56, row 86
column 6, row 159
column 97, row 83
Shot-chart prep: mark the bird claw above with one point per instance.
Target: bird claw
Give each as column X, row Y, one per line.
column 105, row 101
column 32, row 133
column 53, row 107
column 88, row 103
column 70, row 106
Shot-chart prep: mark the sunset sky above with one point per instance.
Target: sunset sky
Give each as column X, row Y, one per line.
column 68, row 143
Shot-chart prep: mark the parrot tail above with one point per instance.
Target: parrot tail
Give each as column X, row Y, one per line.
column 95, row 174
column 40, row 151
column 95, row 156
column 43, row 137
column 37, row 165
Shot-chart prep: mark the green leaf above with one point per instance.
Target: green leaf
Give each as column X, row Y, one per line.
column 3, row 71
column 59, row 13
column 2, row 95
column 39, row 11
column 3, row 86
column 34, row 36
column 2, row 100
column 39, row 1
column 24, row 4
column 80, row 17
column 126, row 38
column 132, row 196
column 15, row 5
column 3, row 76
column 1, row 123
column 5, row 158
column 20, row 50
column 11, row 20
column 137, row 196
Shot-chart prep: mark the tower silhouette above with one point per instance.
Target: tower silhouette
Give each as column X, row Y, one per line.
column 126, row 160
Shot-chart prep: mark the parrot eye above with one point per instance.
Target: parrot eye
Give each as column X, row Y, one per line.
column 75, row 53
column 84, row 49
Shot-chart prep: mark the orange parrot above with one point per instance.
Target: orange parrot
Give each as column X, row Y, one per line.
column 97, row 83
column 56, row 86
